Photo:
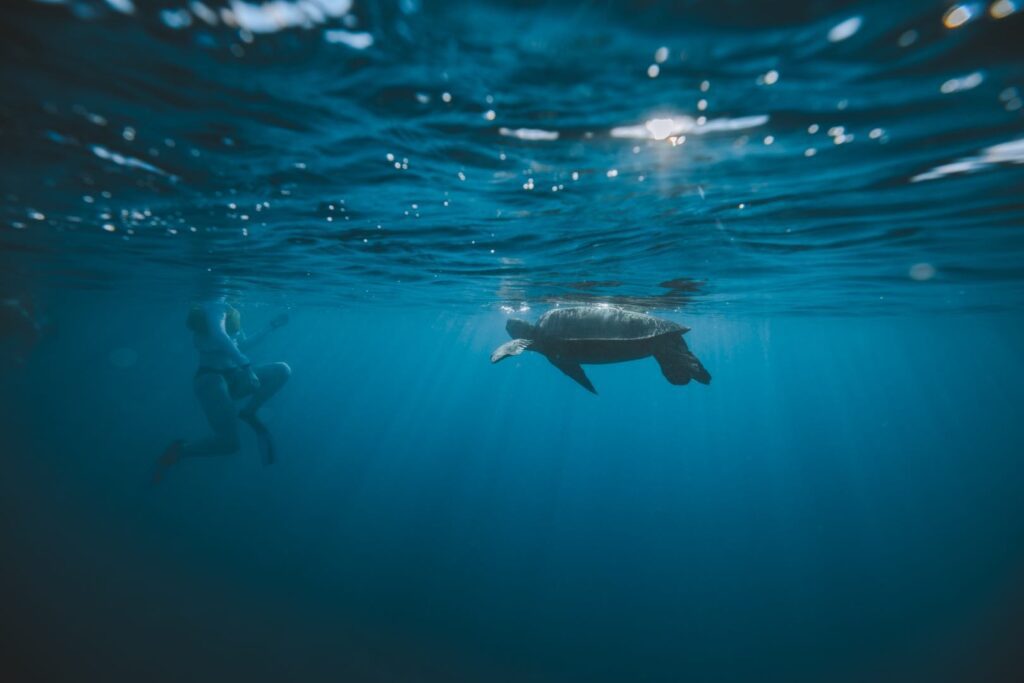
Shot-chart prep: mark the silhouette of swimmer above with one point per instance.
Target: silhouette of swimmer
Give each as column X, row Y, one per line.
column 225, row 376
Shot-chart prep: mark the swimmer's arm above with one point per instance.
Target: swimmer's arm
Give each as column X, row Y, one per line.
column 246, row 343
column 215, row 318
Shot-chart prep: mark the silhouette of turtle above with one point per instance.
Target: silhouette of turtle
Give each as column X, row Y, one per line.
column 569, row 337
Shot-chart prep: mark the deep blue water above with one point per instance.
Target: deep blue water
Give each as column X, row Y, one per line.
column 827, row 193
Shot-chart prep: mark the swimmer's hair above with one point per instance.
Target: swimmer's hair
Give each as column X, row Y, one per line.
column 232, row 321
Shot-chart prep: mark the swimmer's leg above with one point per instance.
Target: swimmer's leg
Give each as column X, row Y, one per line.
column 215, row 400
column 264, row 440
column 212, row 392
column 272, row 377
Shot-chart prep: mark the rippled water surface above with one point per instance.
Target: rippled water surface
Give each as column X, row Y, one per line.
column 823, row 157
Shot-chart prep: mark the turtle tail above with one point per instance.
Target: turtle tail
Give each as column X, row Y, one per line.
column 678, row 363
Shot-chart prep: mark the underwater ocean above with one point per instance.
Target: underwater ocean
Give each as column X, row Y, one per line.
column 829, row 194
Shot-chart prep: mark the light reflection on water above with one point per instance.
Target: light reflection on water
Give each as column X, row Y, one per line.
column 480, row 154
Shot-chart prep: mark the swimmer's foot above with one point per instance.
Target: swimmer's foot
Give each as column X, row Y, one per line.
column 264, row 441
column 171, row 456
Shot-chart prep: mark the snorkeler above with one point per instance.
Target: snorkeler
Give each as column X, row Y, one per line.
column 225, row 376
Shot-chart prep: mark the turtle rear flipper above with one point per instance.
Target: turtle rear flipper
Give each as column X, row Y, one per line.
column 679, row 365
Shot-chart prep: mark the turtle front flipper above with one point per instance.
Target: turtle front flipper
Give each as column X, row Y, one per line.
column 574, row 370
column 678, row 363
column 512, row 348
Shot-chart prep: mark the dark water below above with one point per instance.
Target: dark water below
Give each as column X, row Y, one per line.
column 828, row 193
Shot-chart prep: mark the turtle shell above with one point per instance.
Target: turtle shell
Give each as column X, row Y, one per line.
column 603, row 322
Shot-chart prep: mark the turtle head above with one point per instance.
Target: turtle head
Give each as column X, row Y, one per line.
column 511, row 348
column 519, row 329
column 522, row 333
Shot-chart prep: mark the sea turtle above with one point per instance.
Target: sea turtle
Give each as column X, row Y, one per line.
column 603, row 334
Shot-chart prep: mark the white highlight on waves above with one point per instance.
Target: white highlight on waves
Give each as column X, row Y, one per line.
column 662, row 128
column 968, row 82
column 176, row 18
column 958, row 15
column 129, row 162
column 1006, row 153
column 122, row 6
column 356, row 41
column 531, row 134
column 1000, row 9
column 203, row 13
column 844, row 29
column 922, row 272
column 264, row 17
